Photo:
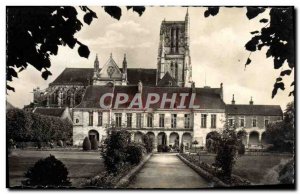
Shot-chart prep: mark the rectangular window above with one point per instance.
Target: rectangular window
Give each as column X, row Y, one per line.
column 139, row 122
column 254, row 122
column 99, row 118
column 203, row 120
column 118, row 117
column 213, row 120
column 161, row 120
column 266, row 123
column 173, row 120
column 187, row 120
column 150, row 120
column 90, row 118
column 242, row 122
column 230, row 122
column 129, row 119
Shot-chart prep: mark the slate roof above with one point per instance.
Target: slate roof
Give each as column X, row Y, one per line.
column 247, row 109
column 165, row 81
column 83, row 76
column 55, row 112
column 207, row 98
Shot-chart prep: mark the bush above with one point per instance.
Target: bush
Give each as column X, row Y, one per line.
column 181, row 148
column 163, row 148
column 86, row 145
column 47, row 172
column 134, row 153
column 114, row 152
column 148, row 143
column 94, row 144
column 287, row 173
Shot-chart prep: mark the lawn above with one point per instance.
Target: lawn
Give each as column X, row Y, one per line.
column 257, row 169
column 80, row 164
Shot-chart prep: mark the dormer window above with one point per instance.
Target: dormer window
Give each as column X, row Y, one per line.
column 170, row 83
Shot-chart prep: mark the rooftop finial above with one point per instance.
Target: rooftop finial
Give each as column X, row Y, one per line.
column 232, row 101
column 251, row 101
column 110, row 55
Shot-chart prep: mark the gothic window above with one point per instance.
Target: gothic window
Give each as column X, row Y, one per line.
column 172, row 39
column 172, row 69
column 177, row 39
column 161, row 120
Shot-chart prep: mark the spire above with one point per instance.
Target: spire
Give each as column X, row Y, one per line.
column 232, row 101
column 124, row 64
column 187, row 13
column 96, row 63
column 251, row 101
column 111, row 55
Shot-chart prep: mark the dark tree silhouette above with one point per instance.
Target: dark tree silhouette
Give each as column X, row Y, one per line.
column 277, row 35
column 35, row 33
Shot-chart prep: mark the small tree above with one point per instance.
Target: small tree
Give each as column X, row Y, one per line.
column 226, row 152
column 115, row 151
column 94, row 144
column 47, row 172
column 86, row 145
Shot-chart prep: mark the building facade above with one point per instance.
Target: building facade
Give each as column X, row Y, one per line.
column 176, row 122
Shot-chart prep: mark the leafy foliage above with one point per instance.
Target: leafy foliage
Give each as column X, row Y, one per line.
column 226, row 152
column 277, row 35
column 287, row 173
column 135, row 153
column 34, row 34
column 115, row 152
column 48, row 172
column 148, row 143
column 86, row 145
column 30, row 127
column 281, row 134
column 212, row 141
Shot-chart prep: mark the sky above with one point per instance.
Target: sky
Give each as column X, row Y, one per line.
column 217, row 51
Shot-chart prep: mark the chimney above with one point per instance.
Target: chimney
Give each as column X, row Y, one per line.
column 232, row 101
column 221, row 93
column 251, row 101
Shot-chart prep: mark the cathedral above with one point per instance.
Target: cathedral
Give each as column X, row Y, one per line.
column 81, row 90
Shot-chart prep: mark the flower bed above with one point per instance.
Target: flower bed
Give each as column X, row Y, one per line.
column 234, row 181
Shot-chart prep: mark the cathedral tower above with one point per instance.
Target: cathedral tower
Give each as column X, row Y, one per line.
column 174, row 53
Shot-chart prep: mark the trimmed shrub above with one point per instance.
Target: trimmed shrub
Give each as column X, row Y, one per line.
column 134, row 153
column 163, row 148
column 86, row 145
column 94, row 144
column 47, row 172
column 60, row 143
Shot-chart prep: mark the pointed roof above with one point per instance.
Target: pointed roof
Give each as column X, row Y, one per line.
column 167, row 80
